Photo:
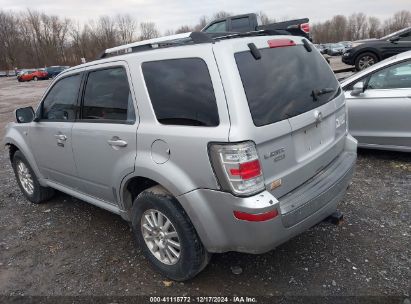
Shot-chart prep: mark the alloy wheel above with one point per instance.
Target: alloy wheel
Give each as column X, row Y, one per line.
column 160, row 237
column 366, row 62
column 25, row 178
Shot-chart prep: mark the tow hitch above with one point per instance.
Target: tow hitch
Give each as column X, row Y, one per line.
column 337, row 218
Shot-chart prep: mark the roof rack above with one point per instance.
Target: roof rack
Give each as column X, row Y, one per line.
column 182, row 39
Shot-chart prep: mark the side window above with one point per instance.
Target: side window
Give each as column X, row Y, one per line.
column 181, row 92
column 240, row 25
column 107, row 96
column 218, row 27
column 61, row 101
column 397, row 76
column 406, row 36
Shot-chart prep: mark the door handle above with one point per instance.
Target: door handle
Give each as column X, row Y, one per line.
column 117, row 142
column 60, row 137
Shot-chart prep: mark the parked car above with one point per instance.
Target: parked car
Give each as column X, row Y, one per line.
column 335, row 49
column 53, row 71
column 365, row 53
column 252, row 22
column 214, row 145
column 379, row 104
column 32, row 75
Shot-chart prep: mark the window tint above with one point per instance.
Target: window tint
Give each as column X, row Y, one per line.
column 394, row 77
column 181, row 92
column 240, row 25
column 217, row 27
column 285, row 82
column 107, row 96
column 406, row 36
column 61, row 101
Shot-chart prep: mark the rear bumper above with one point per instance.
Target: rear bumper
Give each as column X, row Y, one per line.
column 211, row 212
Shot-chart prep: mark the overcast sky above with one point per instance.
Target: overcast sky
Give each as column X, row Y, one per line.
column 170, row 14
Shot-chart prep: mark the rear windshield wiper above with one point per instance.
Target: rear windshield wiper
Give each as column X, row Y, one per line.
column 316, row 93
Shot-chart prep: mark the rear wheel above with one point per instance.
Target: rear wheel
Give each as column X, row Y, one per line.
column 365, row 60
column 167, row 237
column 28, row 181
column 35, row 78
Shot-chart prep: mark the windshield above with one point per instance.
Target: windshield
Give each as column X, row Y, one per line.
column 395, row 34
column 285, row 82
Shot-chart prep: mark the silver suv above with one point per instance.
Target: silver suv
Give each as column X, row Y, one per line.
column 206, row 145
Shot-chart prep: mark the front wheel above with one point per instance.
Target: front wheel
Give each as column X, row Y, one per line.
column 35, row 78
column 27, row 180
column 365, row 60
column 167, row 237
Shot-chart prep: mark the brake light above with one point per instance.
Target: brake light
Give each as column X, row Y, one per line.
column 247, row 170
column 275, row 43
column 305, row 27
column 237, row 167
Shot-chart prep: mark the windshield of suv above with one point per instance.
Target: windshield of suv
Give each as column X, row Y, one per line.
column 285, row 82
column 395, row 34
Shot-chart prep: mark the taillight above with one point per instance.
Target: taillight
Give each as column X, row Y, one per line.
column 237, row 167
column 305, row 27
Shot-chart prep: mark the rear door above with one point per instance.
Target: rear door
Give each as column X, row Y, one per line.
column 380, row 115
column 104, row 138
column 294, row 101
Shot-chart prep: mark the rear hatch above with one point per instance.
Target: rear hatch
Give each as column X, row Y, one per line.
column 297, row 109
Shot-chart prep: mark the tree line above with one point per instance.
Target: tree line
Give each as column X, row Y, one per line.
column 33, row 39
column 358, row 26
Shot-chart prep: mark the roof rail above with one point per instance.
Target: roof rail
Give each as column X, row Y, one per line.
column 183, row 39
column 173, row 40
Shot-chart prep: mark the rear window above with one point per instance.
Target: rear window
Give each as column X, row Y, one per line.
column 280, row 85
column 181, row 92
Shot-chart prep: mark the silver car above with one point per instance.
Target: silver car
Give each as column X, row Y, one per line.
column 205, row 145
column 379, row 104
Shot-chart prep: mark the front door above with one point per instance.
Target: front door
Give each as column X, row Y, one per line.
column 104, row 138
column 50, row 137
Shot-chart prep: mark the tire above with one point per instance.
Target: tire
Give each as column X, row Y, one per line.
column 35, row 78
column 365, row 60
column 39, row 193
column 193, row 257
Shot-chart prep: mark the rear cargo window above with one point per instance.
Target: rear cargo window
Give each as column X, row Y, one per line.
column 285, row 82
column 181, row 92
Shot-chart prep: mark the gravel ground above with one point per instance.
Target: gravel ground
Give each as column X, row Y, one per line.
column 68, row 247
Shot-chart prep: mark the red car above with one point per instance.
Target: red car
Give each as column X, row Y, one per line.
column 32, row 75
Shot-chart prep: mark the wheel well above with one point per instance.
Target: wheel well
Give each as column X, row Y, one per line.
column 12, row 150
column 134, row 187
column 367, row 51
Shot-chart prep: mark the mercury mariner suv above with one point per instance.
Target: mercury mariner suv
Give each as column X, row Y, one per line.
column 205, row 145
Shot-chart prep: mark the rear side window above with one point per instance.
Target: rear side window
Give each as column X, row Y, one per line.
column 240, row 25
column 61, row 101
column 107, row 96
column 285, row 82
column 181, row 92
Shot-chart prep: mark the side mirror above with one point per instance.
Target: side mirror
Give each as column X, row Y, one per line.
column 358, row 88
column 394, row 39
column 25, row 115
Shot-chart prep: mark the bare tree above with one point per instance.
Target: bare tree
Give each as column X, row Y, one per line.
column 221, row 14
column 148, row 30
column 127, row 27
column 374, row 27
